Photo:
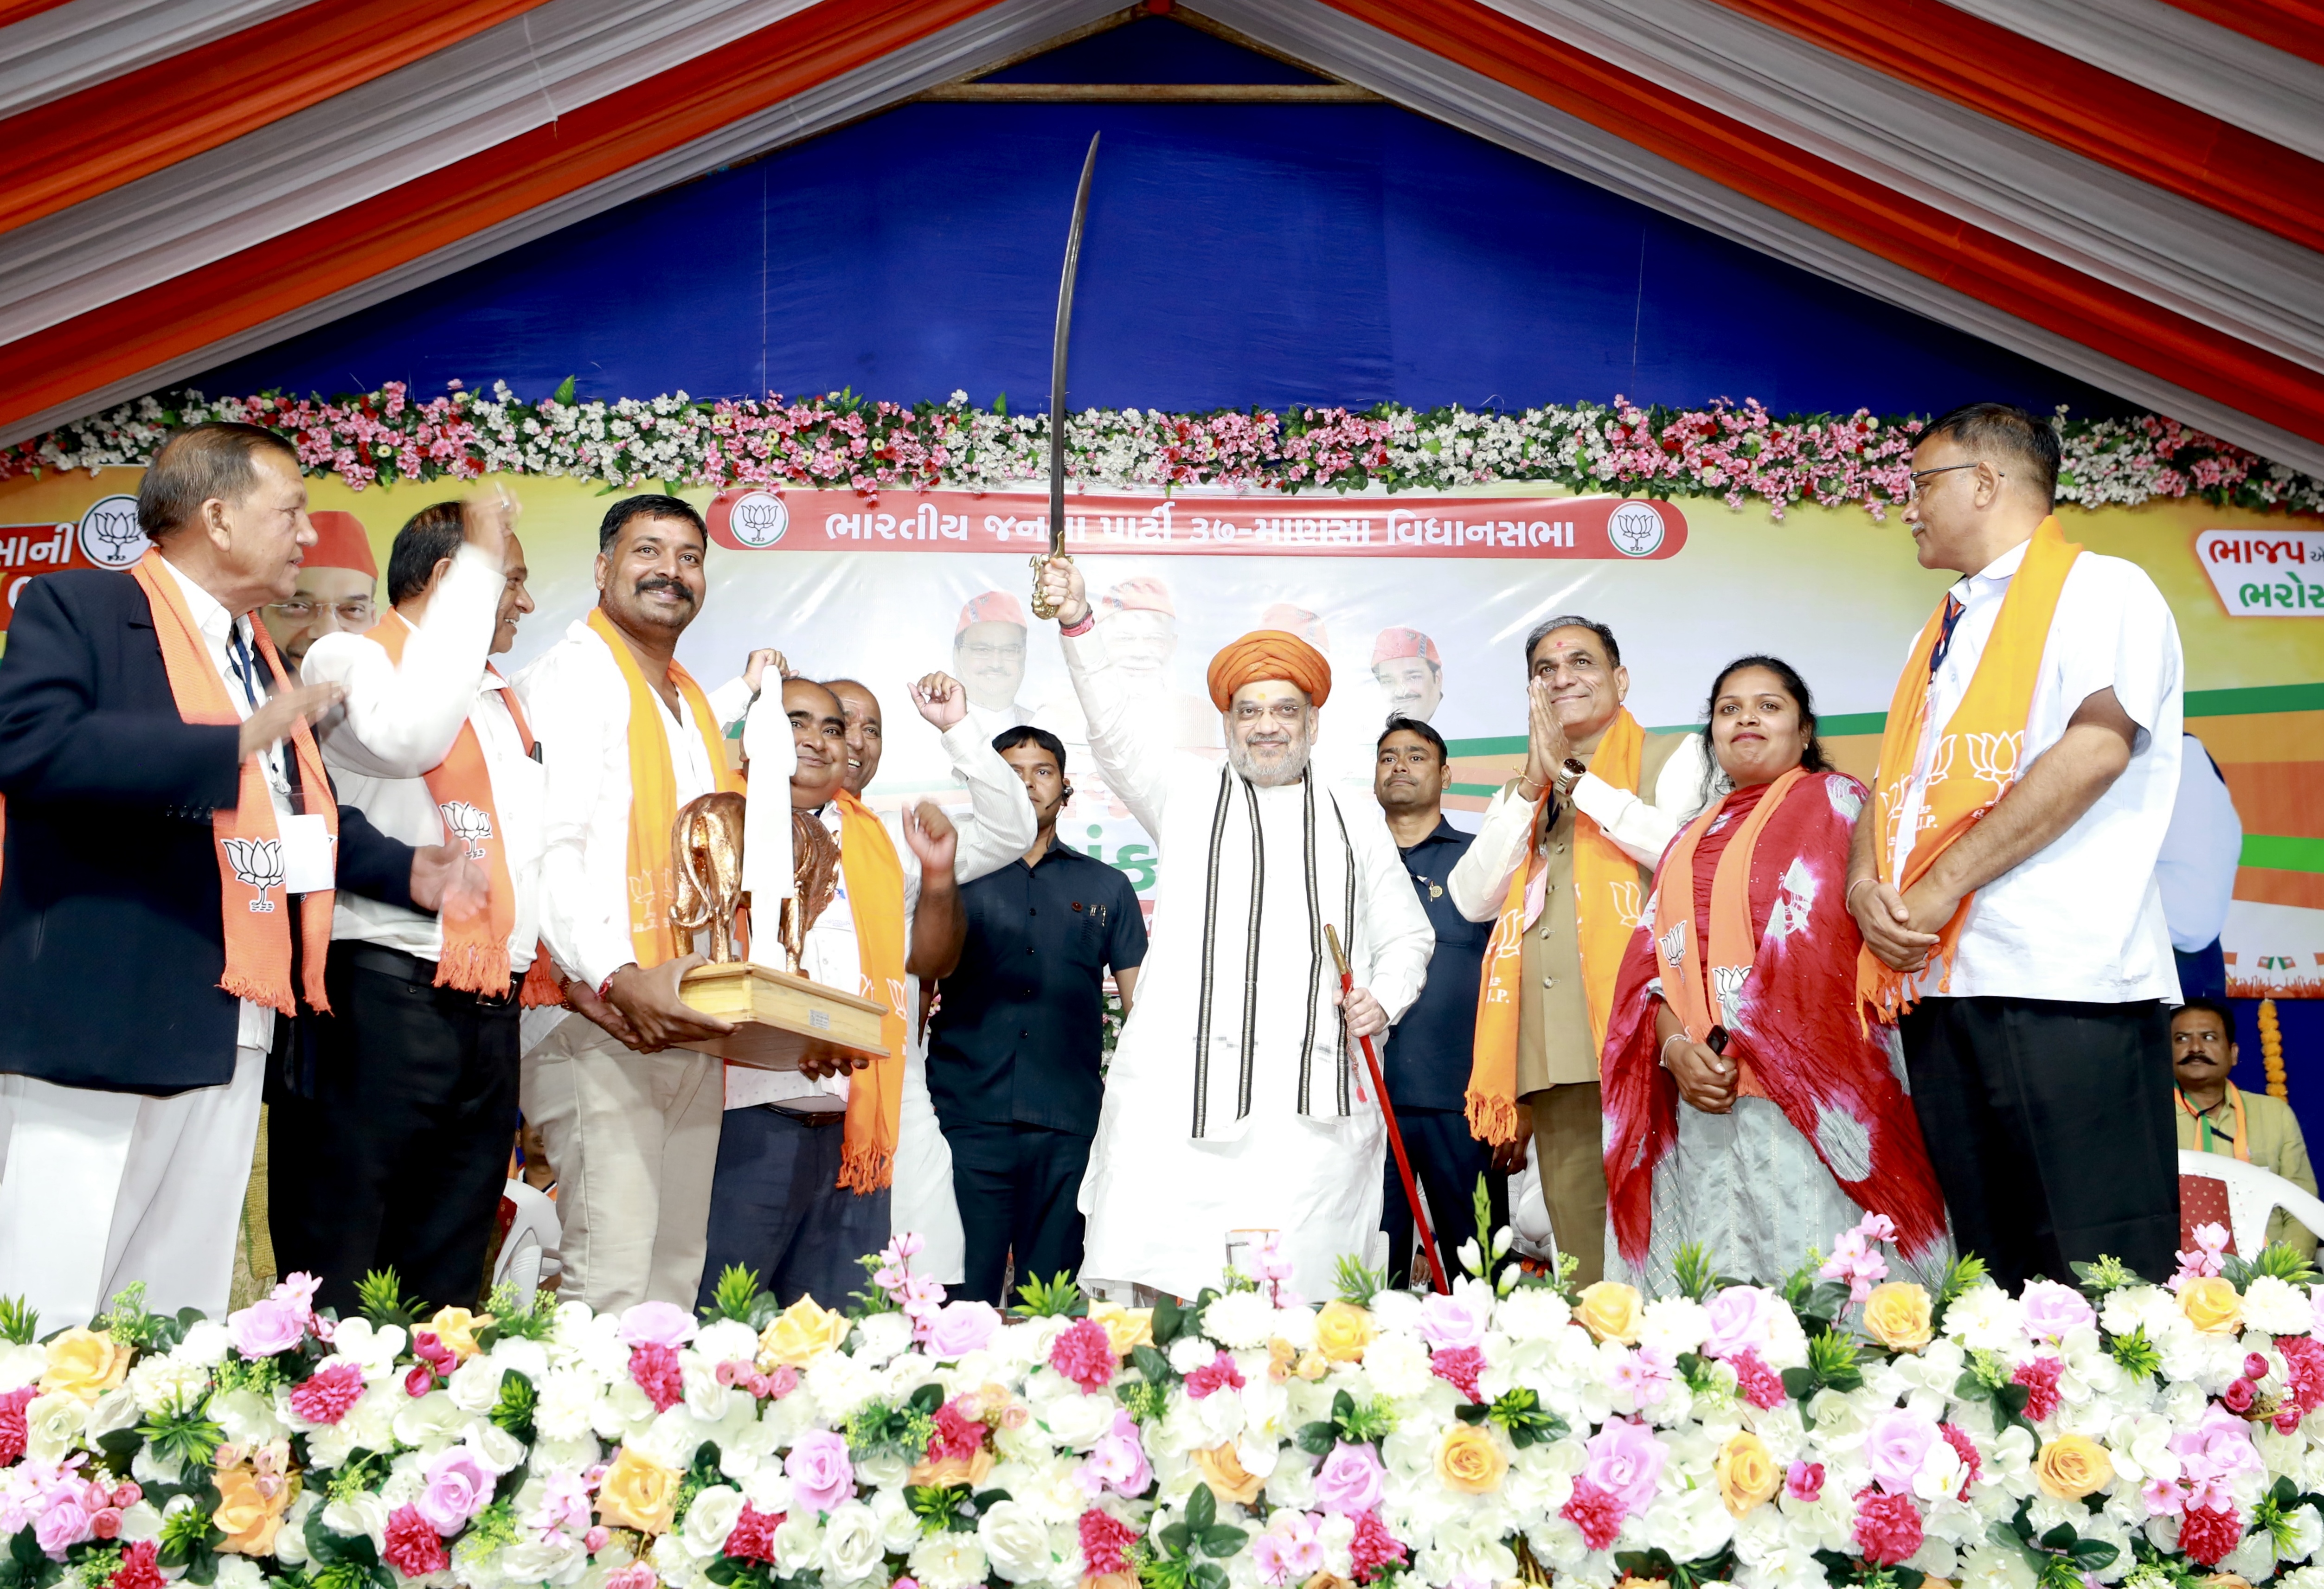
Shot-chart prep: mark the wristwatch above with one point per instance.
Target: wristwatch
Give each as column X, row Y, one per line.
column 1569, row 772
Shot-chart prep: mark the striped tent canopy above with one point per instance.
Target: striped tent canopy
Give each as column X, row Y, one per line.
column 2128, row 191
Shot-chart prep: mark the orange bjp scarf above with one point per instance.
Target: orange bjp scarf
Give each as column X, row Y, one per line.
column 653, row 794
column 250, row 866
column 874, row 874
column 1974, row 761
column 1694, row 996
column 1606, row 904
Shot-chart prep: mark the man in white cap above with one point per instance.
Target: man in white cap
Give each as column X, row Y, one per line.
column 1234, row 1103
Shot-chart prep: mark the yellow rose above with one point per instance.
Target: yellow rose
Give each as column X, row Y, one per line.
column 1222, row 1470
column 638, row 1492
column 2224, row 1581
column 1313, row 1367
column 1126, row 1328
column 85, row 1364
column 800, row 1334
column 1609, row 1310
column 1469, row 1462
column 1747, row 1473
column 1342, row 1331
column 1109, row 1581
column 457, row 1328
column 250, row 1510
column 1324, row 1579
column 2072, row 1466
column 1897, row 1315
column 953, row 1470
column 2212, row 1305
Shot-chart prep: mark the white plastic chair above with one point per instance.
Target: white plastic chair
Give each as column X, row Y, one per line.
column 2254, row 1194
column 532, row 1237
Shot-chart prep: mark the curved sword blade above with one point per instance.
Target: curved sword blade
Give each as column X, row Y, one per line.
column 1058, row 355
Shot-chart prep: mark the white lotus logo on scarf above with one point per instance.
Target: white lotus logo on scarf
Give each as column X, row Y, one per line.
column 1625, row 903
column 1727, row 985
column 468, row 824
column 1674, row 944
column 258, row 864
column 1940, row 759
column 1992, row 758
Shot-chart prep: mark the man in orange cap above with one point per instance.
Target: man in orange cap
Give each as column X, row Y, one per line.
column 1270, row 1127
column 988, row 656
column 1142, row 635
column 1409, row 672
column 334, row 593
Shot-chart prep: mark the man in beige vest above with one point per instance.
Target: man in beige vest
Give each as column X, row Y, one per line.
column 1572, row 942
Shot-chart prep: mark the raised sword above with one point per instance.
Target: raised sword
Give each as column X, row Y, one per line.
column 1041, row 605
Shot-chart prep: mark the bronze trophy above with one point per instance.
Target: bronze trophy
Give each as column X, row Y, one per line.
column 778, row 1015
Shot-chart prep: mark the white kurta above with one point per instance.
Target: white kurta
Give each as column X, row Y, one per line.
column 1201, row 1133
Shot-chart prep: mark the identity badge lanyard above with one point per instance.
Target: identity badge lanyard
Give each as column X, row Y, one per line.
column 246, row 672
column 307, row 861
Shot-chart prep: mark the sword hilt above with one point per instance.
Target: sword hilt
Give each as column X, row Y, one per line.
column 1043, row 608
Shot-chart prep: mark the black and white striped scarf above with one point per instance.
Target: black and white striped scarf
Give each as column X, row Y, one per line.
column 1319, row 958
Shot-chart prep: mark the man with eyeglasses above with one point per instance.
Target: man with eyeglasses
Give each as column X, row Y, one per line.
column 1235, row 1102
column 2005, row 876
column 988, row 656
column 334, row 593
column 1560, row 866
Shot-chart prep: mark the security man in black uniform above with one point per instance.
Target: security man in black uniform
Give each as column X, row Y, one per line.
column 1428, row 1055
column 1017, row 1046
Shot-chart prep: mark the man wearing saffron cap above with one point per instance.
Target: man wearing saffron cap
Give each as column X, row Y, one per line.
column 988, row 656
column 334, row 595
column 1409, row 672
column 1141, row 632
column 1235, row 1101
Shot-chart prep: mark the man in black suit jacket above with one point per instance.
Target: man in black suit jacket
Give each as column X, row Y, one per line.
column 129, row 1079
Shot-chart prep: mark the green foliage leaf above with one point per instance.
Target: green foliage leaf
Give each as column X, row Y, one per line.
column 20, row 1321
column 563, row 393
column 737, row 1289
column 1355, row 1284
column 379, row 1298
column 514, row 1410
column 1056, row 1298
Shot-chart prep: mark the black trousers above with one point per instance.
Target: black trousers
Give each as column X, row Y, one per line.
column 1446, row 1161
column 777, row 1210
column 397, row 1157
column 2050, row 1125
column 1017, row 1186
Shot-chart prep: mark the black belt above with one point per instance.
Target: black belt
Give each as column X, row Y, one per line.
column 813, row 1119
column 419, row 973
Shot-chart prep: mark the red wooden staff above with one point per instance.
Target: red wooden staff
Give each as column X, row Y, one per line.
column 1388, row 1110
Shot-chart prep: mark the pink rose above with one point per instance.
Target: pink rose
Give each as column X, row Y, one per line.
column 657, row 1324
column 1117, row 1460
column 1350, row 1482
column 2051, row 1309
column 821, row 1472
column 64, row 1524
column 1625, row 1461
column 266, row 1328
column 1741, row 1321
column 1458, row 1319
column 104, row 1523
column 1805, row 1480
column 459, row 1486
column 959, row 1328
column 420, row 1381
column 1895, row 1447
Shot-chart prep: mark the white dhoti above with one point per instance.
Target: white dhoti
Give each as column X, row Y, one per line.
column 1235, row 1101
column 99, row 1189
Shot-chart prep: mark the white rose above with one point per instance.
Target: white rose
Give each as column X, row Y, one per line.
column 726, row 1340
column 161, row 1383
column 476, row 1385
column 567, row 1404
column 22, row 1365
column 519, row 1355
column 149, row 1467
column 429, row 1423
column 141, row 1522
column 947, row 1561
column 1078, row 1422
column 238, row 1572
column 898, row 1527
column 1189, row 1353
column 247, row 1418
column 2304, row 1531
column 880, row 1336
column 115, row 1410
column 1532, row 1313
column 363, row 1512
column 1395, row 1310
column 290, row 1539
column 1399, row 1366
column 1297, row 1327
column 851, row 1547
column 53, row 1425
column 2273, row 1305
column 1239, row 1320
column 206, row 1343
column 1015, row 1541
column 711, row 1519
column 1690, row 1525
column 559, row 1561
column 798, row 1540
column 2255, row 1558
column 1675, row 1324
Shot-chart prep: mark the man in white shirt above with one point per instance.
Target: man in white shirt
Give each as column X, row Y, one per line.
column 630, row 1122
column 1575, row 688
column 988, row 654
column 167, row 889
column 2032, row 1049
column 392, row 1152
column 2196, row 871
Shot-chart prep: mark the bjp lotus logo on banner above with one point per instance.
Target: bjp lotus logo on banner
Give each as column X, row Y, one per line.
column 257, row 864
column 110, row 536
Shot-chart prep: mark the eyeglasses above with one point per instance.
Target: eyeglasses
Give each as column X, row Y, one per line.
column 354, row 614
column 1918, row 475
column 984, row 653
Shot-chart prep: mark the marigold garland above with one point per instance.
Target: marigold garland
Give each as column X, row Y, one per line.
column 1731, row 451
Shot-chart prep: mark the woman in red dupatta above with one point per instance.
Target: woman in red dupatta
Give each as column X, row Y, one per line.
column 1766, row 1143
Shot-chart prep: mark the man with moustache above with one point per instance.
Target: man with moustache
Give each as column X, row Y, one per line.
column 988, row 654
column 1561, row 867
column 626, row 738
column 390, row 1149
column 1234, row 1101
column 1427, row 1058
column 173, row 850
column 1140, row 622
column 1016, row 1048
column 992, row 833
column 1409, row 672
column 334, row 595
column 814, row 1172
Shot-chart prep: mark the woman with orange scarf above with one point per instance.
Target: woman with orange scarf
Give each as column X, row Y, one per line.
column 1749, row 1109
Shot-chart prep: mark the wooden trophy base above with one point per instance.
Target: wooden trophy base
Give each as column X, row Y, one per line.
column 779, row 1019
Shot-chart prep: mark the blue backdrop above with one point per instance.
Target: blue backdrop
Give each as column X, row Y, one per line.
column 1236, row 255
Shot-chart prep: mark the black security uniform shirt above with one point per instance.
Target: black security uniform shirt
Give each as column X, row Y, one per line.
column 1428, row 1053
column 1020, row 1033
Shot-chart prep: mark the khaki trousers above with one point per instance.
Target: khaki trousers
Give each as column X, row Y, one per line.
column 1569, row 1124
column 633, row 1139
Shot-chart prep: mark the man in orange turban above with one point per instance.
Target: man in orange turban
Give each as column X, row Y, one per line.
column 334, row 593
column 1268, row 1128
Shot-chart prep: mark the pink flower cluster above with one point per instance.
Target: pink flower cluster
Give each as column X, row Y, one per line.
column 1084, row 1352
column 1374, row 1549
column 2205, row 1259
column 2039, row 1375
column 279, row 1321
column 12, row 1422
column 1856, row 1255
column 2211, row 1456
column 61, row 1507
column 1106, row 1540
column 918, row 1298
column 1220, row 1374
